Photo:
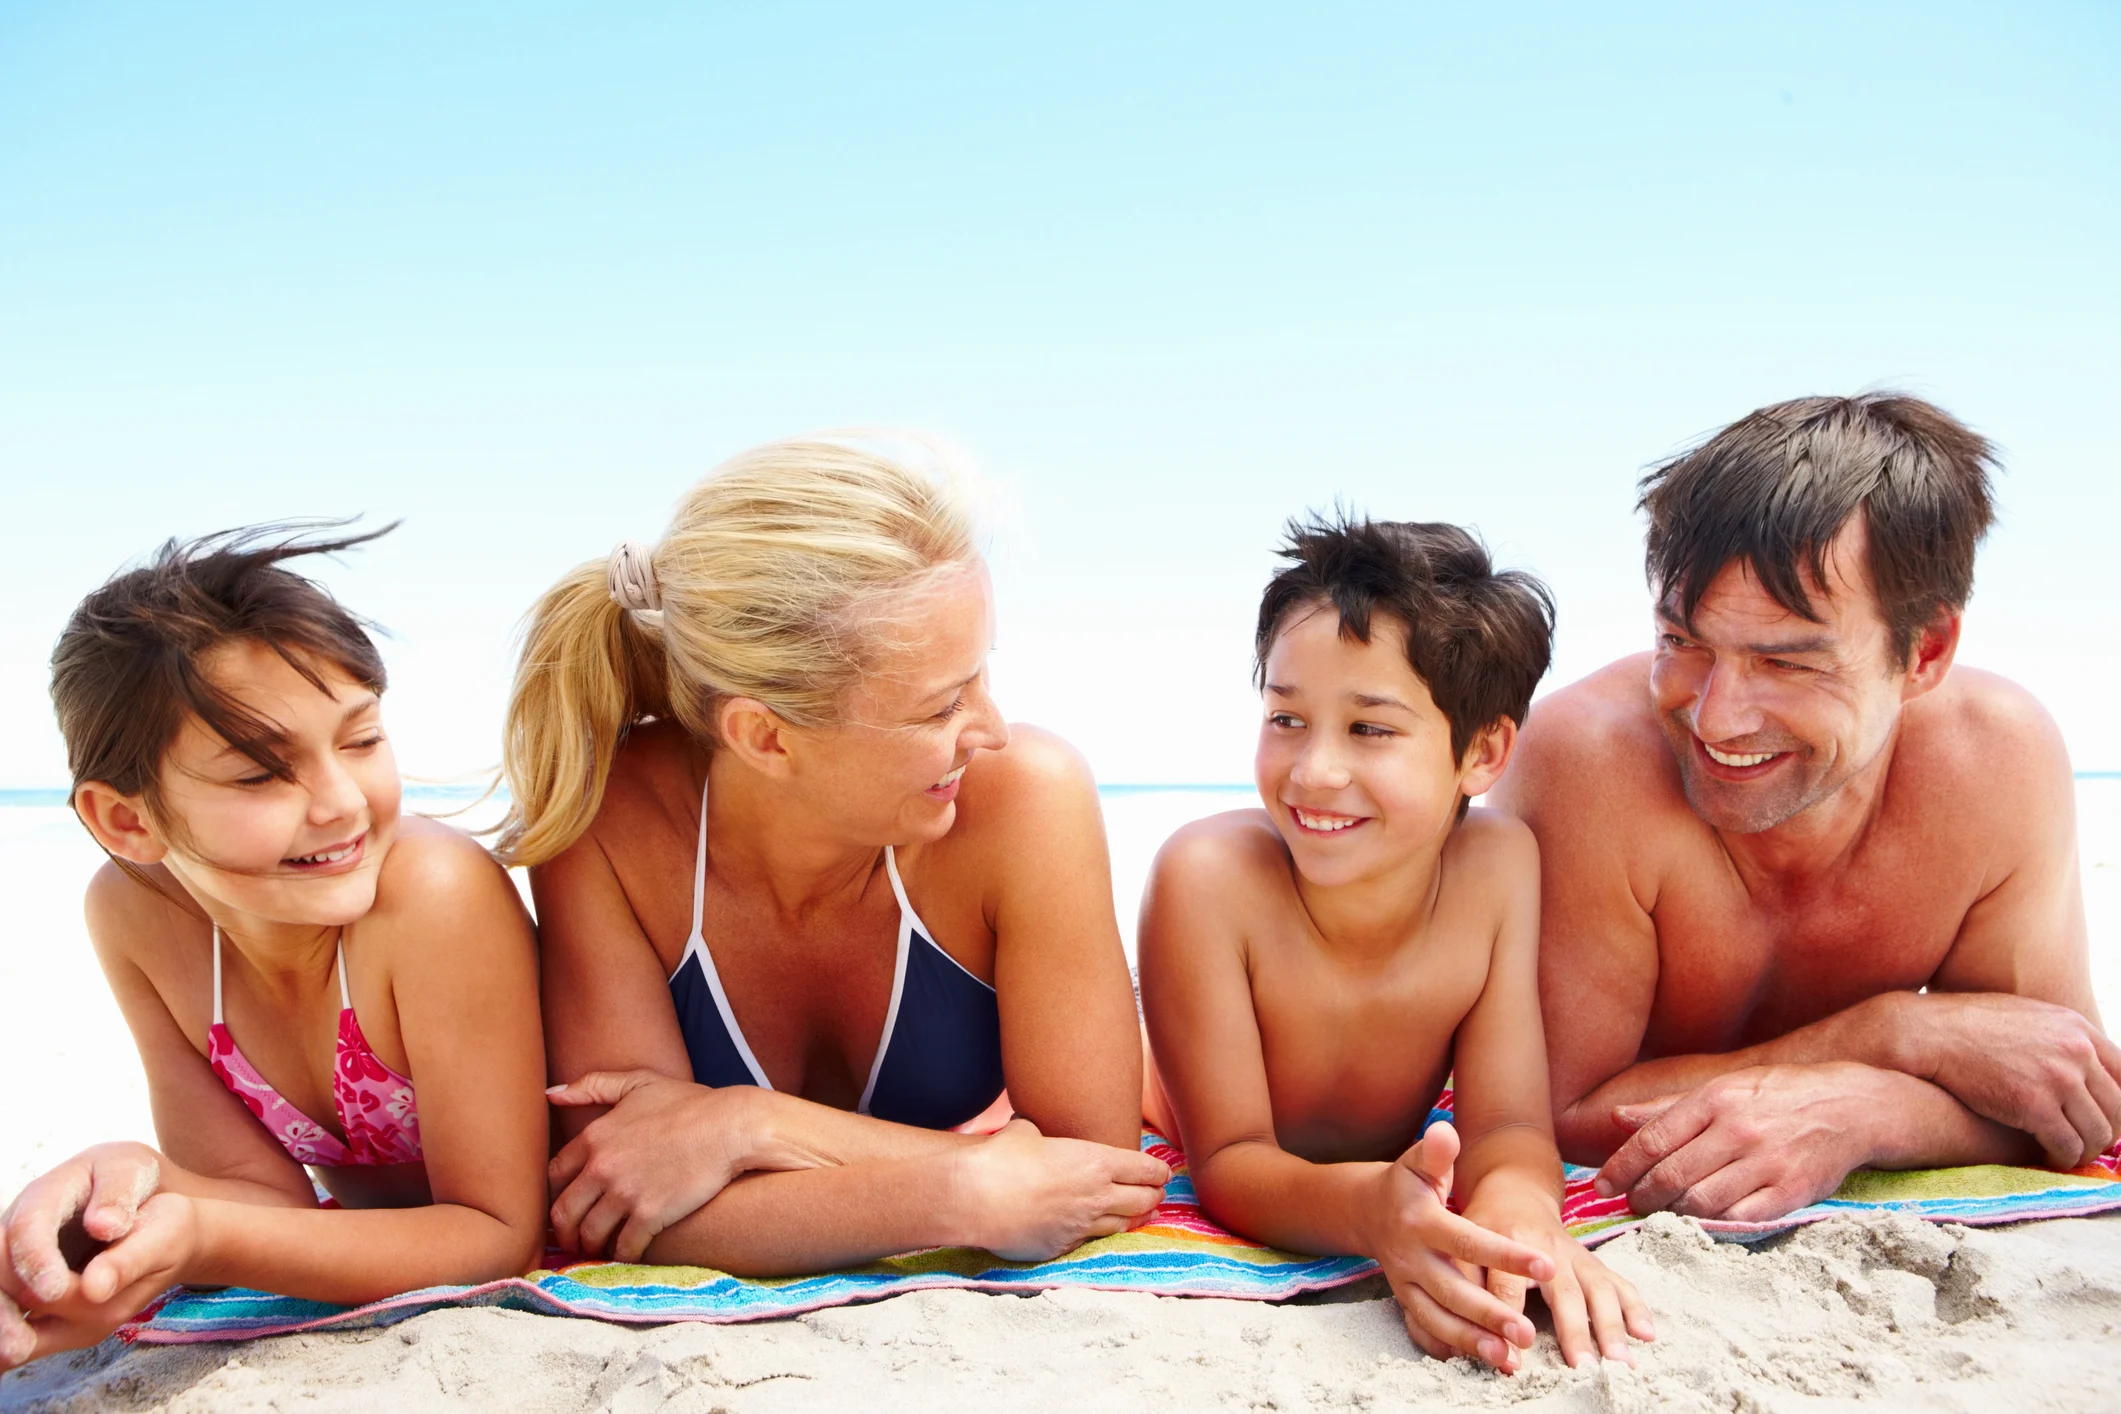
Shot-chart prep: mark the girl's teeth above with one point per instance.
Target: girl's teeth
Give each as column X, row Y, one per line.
column 328, row 857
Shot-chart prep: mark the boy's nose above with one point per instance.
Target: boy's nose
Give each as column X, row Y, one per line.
column 1319, row 768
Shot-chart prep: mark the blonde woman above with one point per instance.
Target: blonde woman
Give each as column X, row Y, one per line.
column 807, row 903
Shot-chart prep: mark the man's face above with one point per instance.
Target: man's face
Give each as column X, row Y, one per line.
column 1769, row 713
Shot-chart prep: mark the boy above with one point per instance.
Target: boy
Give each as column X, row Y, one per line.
column 1312, row 972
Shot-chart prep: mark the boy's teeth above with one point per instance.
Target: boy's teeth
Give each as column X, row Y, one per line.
column 1323, row 822
column 1737, row 758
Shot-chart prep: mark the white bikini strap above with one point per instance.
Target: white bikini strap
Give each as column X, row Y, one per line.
column 699, row 867
column 345, row 997
column 217, row 974
column 891, row 867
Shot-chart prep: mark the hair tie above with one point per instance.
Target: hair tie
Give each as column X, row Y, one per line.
column 630, row 576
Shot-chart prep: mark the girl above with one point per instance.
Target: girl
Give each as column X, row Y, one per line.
column 317, row 984
column 806, row 903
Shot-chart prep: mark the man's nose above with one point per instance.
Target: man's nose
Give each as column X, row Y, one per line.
column 1724, row 709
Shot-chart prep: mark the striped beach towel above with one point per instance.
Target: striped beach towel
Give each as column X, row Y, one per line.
column 1177, row 1252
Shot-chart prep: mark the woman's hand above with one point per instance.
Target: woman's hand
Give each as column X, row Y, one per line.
column 160, row 1241
column 664, row 1150
column 1594, row 1310
column 1432, row 1257
column 1028, row 1198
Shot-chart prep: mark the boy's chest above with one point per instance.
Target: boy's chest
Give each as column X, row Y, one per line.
column 1355, row 1056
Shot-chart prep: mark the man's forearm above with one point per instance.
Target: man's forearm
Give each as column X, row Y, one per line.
column 1872, row 1032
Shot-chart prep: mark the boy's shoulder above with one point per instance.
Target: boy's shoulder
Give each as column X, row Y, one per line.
column 1490, row 851
column 1221, row 851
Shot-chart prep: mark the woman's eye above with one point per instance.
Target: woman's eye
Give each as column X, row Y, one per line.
column 952, row 710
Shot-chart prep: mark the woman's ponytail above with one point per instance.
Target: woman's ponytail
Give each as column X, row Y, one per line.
column 589, row 671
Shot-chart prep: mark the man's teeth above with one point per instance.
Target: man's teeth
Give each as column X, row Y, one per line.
column 1324, row 822
column 1738, row 758
column 329, row 856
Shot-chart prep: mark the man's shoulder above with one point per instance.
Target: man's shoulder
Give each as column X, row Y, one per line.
column 1979, row 731
column 1595, row 745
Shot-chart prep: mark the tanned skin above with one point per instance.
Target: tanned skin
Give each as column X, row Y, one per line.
column 1311, row 973
column 1733, row 956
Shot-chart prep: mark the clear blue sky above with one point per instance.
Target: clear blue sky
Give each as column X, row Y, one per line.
column 519, row 272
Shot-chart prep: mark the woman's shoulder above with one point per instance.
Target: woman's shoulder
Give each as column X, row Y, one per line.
column 1037, row 782
column 651, row 785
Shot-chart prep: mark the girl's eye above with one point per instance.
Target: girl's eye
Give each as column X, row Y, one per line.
column 376, row 739
column 263, row 778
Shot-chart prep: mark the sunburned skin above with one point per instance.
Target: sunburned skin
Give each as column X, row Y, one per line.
column 1312, row 972
column 1751, row 934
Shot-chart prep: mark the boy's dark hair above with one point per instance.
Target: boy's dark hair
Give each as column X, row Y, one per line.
column 1479, row 638
column 1774, row 488
column 126, row 673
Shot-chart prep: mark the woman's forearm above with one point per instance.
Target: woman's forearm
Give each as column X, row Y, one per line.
column 811, row 1220
column 349, row 1256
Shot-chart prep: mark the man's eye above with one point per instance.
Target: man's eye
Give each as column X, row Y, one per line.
column 1786, row 666
column 1671, row 640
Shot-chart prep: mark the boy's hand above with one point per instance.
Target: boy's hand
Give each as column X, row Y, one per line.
column 1594, row 1310
column 1429, row 1255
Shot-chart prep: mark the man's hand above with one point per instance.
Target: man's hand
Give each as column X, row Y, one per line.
column 661, row 1153
column 1750, row 1145
column 1432, row 1258
column 2032, row 1065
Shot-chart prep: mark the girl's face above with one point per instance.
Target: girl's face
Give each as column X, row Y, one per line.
column 890, row 772
column 306, row 851
column 1354, row 761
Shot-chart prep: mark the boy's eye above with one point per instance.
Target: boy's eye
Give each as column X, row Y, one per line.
column 1370, row 729
column 1284, row 719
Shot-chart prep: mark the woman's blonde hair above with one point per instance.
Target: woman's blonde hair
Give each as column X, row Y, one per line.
column 758, row 579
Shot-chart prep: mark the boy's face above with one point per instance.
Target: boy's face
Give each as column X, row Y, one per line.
column 1354, row 759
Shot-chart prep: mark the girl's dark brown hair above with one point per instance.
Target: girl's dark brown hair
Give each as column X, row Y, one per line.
column 127, row 671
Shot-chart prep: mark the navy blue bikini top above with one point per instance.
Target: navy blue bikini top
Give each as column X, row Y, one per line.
column 939, row 1061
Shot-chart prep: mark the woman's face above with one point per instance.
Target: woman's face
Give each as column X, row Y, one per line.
column 306, row 851
column 889, row 772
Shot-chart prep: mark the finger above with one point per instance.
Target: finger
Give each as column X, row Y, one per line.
column 18, row 1342
column 569, row 1209
column 1763, row 1205
column 2106, row 1094
column 603, row 1221
column 2060, row 1143
column 1470, row 1301
column 634, row 1238
column 1572, row 1323
column 1454, row 1332
column 1686, row 1168
column 602, row 1087
column 1606, row 1321
column 2109, row 1054
column 1106, row 1226
column 1139, row 1169
column 117, row 1188
column 1634, row 1311
column 1636, row 1114
column 1434, row 1156
column 2085, row 1116
column 1648, row 1146
column 1430, row 1345
column 1126, row 1200
column 1712, row 1195
column 567, row 1163
column 1468, row 1241
column 33, row 1235
column 1508, row 1288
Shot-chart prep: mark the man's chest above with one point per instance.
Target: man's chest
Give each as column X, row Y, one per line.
column 1738, row 967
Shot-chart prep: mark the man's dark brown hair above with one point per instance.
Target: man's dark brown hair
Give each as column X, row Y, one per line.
column 1479, row 638
column 128, row 670
column 1774, row 488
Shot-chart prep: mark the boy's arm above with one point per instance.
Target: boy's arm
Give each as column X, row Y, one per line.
column 1197, row 1001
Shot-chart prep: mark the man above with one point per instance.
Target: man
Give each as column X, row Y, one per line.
column 1811, row 899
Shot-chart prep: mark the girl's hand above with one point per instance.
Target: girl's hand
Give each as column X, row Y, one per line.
column 1594, row 1310
column 664, row 1150
column 1027, row 1198
column 1430, row 1256
column 160, row 1242
column 103, row 1187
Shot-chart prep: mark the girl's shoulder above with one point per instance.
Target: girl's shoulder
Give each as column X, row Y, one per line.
column 436, row 868
column 142, row 911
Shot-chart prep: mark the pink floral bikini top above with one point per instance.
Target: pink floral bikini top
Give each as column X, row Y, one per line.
column 375, row 1103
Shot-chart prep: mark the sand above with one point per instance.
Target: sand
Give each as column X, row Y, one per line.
column 1881, row 1313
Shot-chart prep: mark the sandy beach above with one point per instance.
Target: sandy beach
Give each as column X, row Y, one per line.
column 1883, row 1313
